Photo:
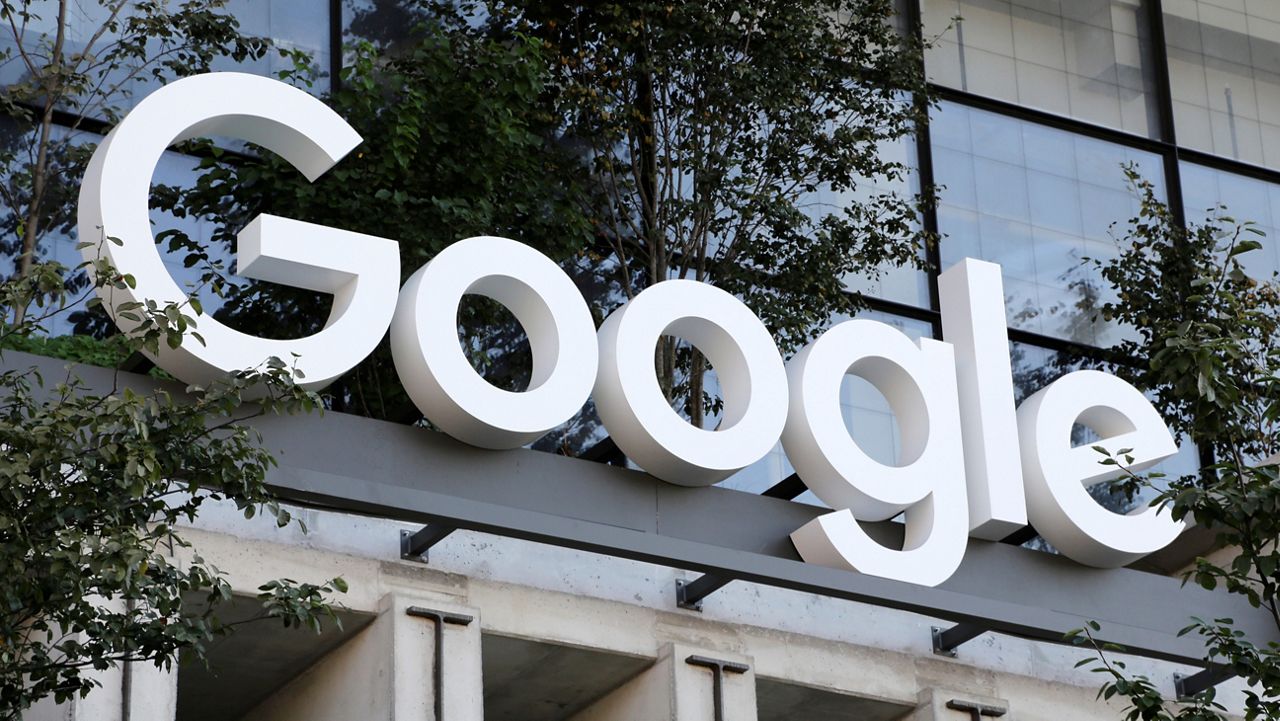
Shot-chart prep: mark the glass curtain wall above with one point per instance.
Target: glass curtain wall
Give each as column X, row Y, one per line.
column 1041, row 105
column 291, row 25
column 1083, row 59
column 1224, row 74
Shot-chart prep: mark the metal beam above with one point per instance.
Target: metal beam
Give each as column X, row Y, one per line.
column 414, row 546
column 414, row 474
column 976, row 711
column 729, row 534
column 689, row 594
column 1188, row 687
column 788, row 488
column 947, row 640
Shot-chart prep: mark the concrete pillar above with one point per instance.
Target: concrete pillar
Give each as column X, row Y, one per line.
column 126, row 692
column 150, row 692
column 386, row 672
column 102, row 704
column 933, row 706
column 415, row 662
column 675, row 690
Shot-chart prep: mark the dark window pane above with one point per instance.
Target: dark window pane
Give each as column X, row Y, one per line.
column 867, row 415
column 1039, row 202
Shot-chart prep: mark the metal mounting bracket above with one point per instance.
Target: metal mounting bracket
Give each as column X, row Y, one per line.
column 947, row 640
column 1188, row 687
column 788, row 488
column 689, row 594
column 414, row 546
column 718, row 670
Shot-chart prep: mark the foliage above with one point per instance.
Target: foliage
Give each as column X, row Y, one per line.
column 732, row 143
column 93, row 484
column 739, row 144
column 1208, row 342
column 94, row 480
column 456, row 144
column 106, row 353
column 77, row 64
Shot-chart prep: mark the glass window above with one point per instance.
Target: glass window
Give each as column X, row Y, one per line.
column 288, row 24
column 902, row 284
column 1209, row 193
column 60, row 241
column 866, row 414
column 386, row 23
column 1224, row 74
column 1034, row 368
column 1040, row 202
column 1087, row 59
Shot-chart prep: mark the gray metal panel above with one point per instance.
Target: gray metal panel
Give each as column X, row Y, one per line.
column 365, row 466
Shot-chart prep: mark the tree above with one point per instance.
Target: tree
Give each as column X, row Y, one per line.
column 1208, row 349
column 78, row 64
column 456, row 144
column 719, row 131
column 93, row 481
column 634, row 142
column 93, row 484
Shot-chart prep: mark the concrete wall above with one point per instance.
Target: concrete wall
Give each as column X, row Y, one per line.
column 572, row 599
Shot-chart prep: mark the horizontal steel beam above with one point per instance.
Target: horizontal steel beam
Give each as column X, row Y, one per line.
column 947, row 640
column 689, row 594
column 1188, row 687
column 364, row 466
column 415, row 545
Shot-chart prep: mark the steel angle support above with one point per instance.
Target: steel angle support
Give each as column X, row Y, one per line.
column 976, row 711
column 947, row 640
column 415, row 545
column 789, row 488
column 1188, row 687
column 689, row 594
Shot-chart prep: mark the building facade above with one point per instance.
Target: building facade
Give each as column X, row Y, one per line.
column 1042, row 105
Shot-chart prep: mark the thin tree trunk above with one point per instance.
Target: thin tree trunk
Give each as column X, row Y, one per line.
column 39, row 174
column 697, row 369
column 646, row 169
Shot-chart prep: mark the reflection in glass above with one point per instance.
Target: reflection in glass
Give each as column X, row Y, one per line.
column 1088, row 59
column 902, row 284
column 1224, row 74
column 59, row 244
column 1040, row 202
column 1215, row 194
column 290, row 25
column 1035, row 367
column 866, row 414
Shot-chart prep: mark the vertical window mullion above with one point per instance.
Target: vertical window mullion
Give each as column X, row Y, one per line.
column 1164, row 91
column 924, row 171
column 335, row 46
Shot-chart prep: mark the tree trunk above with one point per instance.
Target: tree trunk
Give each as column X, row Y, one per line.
column 40, row 173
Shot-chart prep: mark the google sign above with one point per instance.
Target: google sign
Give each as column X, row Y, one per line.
column 973, row 464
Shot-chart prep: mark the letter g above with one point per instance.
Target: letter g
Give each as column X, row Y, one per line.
column 361, row 271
